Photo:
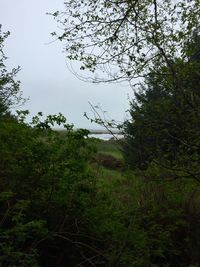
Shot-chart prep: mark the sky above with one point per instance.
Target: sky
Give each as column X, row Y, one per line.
column 44, row 76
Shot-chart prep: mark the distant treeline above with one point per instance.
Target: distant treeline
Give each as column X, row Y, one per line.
column 98, row 131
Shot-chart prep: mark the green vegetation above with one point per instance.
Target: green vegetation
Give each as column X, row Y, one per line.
column 110, row 147
column 10, row 93
column 70, row 200
column 127, row 39
column 59, row 206
column 164, row 126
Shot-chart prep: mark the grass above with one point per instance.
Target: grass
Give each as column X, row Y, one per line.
column 110, row 147
column 146, row 214
column 121, row 185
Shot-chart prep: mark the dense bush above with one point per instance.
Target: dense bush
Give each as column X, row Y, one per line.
column 108, row 161
column 164, row 125
column 139, row 223
column 60, row 208
column 45, row 187
column 62, row 205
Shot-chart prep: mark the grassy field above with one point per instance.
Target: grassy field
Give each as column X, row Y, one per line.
column 110, row 147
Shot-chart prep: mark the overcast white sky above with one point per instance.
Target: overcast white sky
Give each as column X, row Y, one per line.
column 44, row 77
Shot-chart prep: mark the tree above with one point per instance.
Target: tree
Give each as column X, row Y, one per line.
column 154, row 43
column 164, row 126
column 10, row 94
column 124, row 40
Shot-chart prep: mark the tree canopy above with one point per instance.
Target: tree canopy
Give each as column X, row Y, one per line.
column 10, row 94
column 124, row 40
column 164, row 125
column 154, row 45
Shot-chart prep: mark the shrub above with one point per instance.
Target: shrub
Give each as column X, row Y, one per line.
column 49, row 185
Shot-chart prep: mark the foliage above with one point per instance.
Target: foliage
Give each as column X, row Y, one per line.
column 126, row 39
column 145, row 224
column 155, row 43
column 10, row 94
column 110, row 147
column 19, row 235
column 58, row 207
column 164, row 129
column 45, row 186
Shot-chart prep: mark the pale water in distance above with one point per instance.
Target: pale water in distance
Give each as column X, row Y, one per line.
column 105, row 136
